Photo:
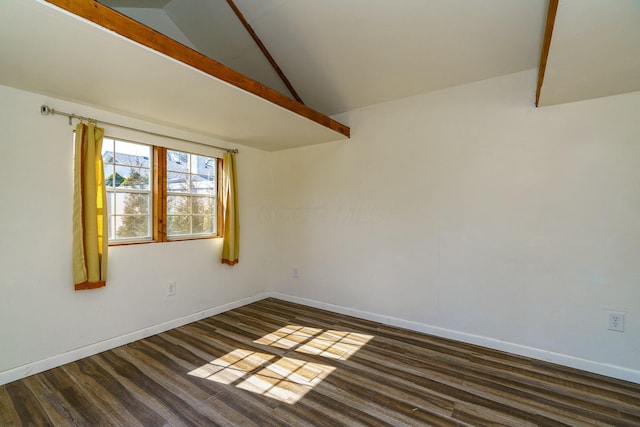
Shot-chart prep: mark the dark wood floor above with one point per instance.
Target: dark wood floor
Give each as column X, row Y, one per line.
column 274, row 363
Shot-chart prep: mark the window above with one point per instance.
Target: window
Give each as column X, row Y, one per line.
column 156, row 194
column 191, row 194
column 127, row 174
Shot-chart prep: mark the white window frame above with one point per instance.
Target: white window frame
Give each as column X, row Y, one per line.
column 115, row 190
column 189, row 195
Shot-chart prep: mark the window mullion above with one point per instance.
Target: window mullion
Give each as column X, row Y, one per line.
column 160, row 194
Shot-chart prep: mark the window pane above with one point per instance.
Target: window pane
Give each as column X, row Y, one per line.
column 178, row 182
column 203, row 165
column 132, row 204
column 203, row 184
column 127, row 167
column 177, row 161
column 110, row 203
column 110, row 227
column 178, row 205
column 107, row 151
column 202, row 205
column 203, row 224
column 137, row 178
column 131, row 154
column 121, row 173
column 178, row 224
column 132, row 226
column 109, row 174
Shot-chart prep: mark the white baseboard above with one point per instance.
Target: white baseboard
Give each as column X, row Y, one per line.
column 535, row 353
column 532, row 352
column 73, row 355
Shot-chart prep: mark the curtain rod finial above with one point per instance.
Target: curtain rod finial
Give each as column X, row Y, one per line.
column 44, row 110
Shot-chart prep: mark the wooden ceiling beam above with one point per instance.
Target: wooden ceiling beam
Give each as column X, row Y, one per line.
column 264, row 50
column 112, row 20
column 546, row 45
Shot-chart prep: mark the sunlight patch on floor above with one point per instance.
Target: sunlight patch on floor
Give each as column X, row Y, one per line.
column 283, row 378
column 330, row 343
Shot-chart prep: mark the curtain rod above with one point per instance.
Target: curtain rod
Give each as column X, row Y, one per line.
column 46, row 110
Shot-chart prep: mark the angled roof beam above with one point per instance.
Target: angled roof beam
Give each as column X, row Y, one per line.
column 546, row 44
column 114, row 21
column 264, row 50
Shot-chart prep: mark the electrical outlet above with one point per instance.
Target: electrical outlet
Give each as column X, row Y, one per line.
column 296, row 272
column 615, row 321
column 171, row 289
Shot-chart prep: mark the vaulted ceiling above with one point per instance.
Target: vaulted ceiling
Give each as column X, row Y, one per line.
column 345, row 54
column 595, row 51
column 339, row 55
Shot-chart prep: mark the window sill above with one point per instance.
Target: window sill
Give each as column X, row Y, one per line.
column 145, row 242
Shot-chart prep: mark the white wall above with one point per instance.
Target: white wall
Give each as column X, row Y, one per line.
column 466, row 212
column 470, row 213
column 41, row 316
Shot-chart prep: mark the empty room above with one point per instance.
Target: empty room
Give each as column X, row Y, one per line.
column 320, row 213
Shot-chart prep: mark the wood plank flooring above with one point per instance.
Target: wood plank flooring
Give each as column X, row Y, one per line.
column 275, row 363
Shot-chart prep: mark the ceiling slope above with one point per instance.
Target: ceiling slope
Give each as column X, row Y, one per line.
column 207, row 23
column 595, row 51
column 209, row 27
column 341, row 55
column 49, row 51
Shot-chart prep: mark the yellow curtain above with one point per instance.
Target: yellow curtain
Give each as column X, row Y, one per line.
column 90, row 238
column 231, row 217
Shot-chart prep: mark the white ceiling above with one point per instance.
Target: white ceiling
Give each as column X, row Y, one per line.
column 344, row 54
column 54, row 53
column 341, row 55
column 138, row 3
column 595, row 51
column 338, row 54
